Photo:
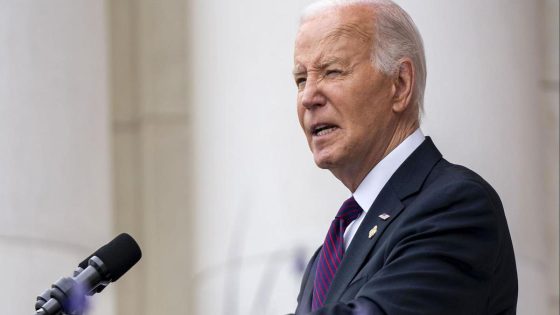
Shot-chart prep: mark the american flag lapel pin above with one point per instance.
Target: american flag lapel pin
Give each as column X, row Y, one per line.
column 384, row 216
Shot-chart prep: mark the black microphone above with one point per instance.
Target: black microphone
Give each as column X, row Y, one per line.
column 105, row 265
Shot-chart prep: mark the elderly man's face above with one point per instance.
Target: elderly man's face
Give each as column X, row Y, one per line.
column 343, row 102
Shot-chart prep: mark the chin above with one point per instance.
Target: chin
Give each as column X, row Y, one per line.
column 324, row 166
column 324, row 161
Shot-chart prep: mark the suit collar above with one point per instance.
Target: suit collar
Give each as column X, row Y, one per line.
column 407, row 180
column 410, row 176
column 377, row 178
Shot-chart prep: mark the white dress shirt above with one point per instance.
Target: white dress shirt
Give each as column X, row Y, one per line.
column 369, row 188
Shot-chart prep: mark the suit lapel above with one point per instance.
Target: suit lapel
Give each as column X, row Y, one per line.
column 304, row 305
column 361, row 245
column 406, row 181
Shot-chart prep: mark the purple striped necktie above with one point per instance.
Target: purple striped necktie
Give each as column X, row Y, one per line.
column 333, row 249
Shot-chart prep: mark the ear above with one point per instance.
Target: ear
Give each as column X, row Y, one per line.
column 402, row 86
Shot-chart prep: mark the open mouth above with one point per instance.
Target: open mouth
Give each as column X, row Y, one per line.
column 324, row 129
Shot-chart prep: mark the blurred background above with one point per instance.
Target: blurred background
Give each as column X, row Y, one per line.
column 175, row 121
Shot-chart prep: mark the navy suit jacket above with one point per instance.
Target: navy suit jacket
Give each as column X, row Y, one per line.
column 445, row 249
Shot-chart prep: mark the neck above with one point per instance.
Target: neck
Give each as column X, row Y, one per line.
column 353, row 176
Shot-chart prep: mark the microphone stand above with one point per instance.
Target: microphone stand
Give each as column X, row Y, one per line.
column 48, row 302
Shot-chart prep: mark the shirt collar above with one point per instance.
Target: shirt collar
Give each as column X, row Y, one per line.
column 376, row 179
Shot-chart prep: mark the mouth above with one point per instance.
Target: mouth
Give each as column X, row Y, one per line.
column 323, row 129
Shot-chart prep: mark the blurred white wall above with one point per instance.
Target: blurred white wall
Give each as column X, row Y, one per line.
column 55, row 182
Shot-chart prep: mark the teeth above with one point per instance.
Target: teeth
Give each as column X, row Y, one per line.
column 325, row 131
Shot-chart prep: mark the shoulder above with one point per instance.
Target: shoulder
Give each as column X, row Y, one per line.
column 454, row 182
column 455, row 200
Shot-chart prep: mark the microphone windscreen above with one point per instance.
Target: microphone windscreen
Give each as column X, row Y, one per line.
column 119, row 255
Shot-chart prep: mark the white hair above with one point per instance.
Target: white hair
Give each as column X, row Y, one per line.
column 395, row 37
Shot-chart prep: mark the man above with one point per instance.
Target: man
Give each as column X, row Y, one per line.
column 419, row 235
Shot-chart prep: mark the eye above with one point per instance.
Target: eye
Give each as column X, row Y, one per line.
column 333, row 72
column 300, row 82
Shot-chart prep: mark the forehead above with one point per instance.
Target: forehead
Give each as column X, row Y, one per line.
column 335, row 27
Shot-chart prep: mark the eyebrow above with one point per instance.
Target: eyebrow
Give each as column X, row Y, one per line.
column 324, row 63
column 321, row 64
column 298, row 70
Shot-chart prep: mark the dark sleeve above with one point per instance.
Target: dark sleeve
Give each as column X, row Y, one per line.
column 438, row 260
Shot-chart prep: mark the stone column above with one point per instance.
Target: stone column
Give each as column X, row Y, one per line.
column 55, row 194
column 153, row 151
column 549, row 88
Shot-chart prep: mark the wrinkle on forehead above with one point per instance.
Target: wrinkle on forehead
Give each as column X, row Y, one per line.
column 328, row 32
column 351, row 30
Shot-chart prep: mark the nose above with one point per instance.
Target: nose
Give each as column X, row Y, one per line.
column 312, row 95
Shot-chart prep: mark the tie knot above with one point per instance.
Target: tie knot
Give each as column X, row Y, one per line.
column 349, row 210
